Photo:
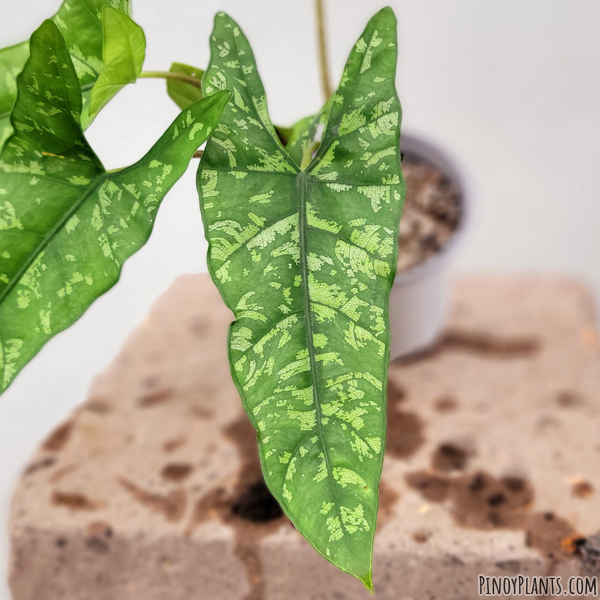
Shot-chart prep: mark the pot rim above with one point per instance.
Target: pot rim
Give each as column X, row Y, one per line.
column 436, row 154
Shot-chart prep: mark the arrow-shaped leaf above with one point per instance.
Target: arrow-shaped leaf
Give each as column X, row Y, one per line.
column 181, row 92
column 305, row 259
column 66, row 225
column 123, row 54
column 80, row 22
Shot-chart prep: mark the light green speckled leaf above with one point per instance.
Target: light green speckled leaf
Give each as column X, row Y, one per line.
column 306, row 260
column 184, row 94
column 80, row 22
column 66, row 225
column 123, row 54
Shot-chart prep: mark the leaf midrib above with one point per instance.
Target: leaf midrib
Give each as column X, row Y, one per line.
column 303, row 180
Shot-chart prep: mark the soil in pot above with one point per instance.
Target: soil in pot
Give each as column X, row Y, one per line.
column 431, row 215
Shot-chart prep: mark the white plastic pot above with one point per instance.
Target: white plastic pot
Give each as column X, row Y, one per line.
column 419, row 299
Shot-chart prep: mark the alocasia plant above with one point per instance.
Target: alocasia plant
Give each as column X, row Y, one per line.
column 304, row 252
column 302, row 238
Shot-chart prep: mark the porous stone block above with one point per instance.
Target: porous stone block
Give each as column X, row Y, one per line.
column 152, row 490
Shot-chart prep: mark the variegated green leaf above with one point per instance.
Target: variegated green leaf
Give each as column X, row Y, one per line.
column 123, row 54
column 80, row 22
column 305, row 259
column 182, row 93
column 66, row 225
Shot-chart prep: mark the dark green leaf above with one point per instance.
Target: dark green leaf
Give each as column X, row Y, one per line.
column 123, row 54
column 182, row 93
column 305, row 259
column 80, row 22
column 66, row 225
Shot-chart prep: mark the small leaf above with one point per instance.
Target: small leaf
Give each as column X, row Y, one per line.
column 81, row 26
column 12, row 61
column 66, row 225
column 182, row 93
column 80, row 23
column 305, row 259
column 123, row 54
column 304, row 134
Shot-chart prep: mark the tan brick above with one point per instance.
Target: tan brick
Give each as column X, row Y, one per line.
column 492, row 464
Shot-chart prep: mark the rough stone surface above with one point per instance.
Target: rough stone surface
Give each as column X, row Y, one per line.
column 152, row 489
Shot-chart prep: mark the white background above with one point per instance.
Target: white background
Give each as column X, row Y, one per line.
column 511, row 87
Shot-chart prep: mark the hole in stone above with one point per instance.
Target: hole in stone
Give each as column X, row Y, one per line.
column 567, row 399
column 478, row 483
column 449, row 457
column 583, row 489
column 514, row 484
column 446, row 404
column 496, row 499
column 256, row 504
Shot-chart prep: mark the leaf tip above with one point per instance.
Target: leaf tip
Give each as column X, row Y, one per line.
column 106, row 10
column 220, row 99
column 222, row 19
column 387, row 13
column 368, row 581
column 222, row 16
column 48, row 25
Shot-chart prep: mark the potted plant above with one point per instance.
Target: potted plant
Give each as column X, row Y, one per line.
column 302, row 232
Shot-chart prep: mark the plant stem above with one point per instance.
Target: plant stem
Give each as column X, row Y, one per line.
column 175, row 76
column 198, row 154
column 307, row 155
column 324, row 63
